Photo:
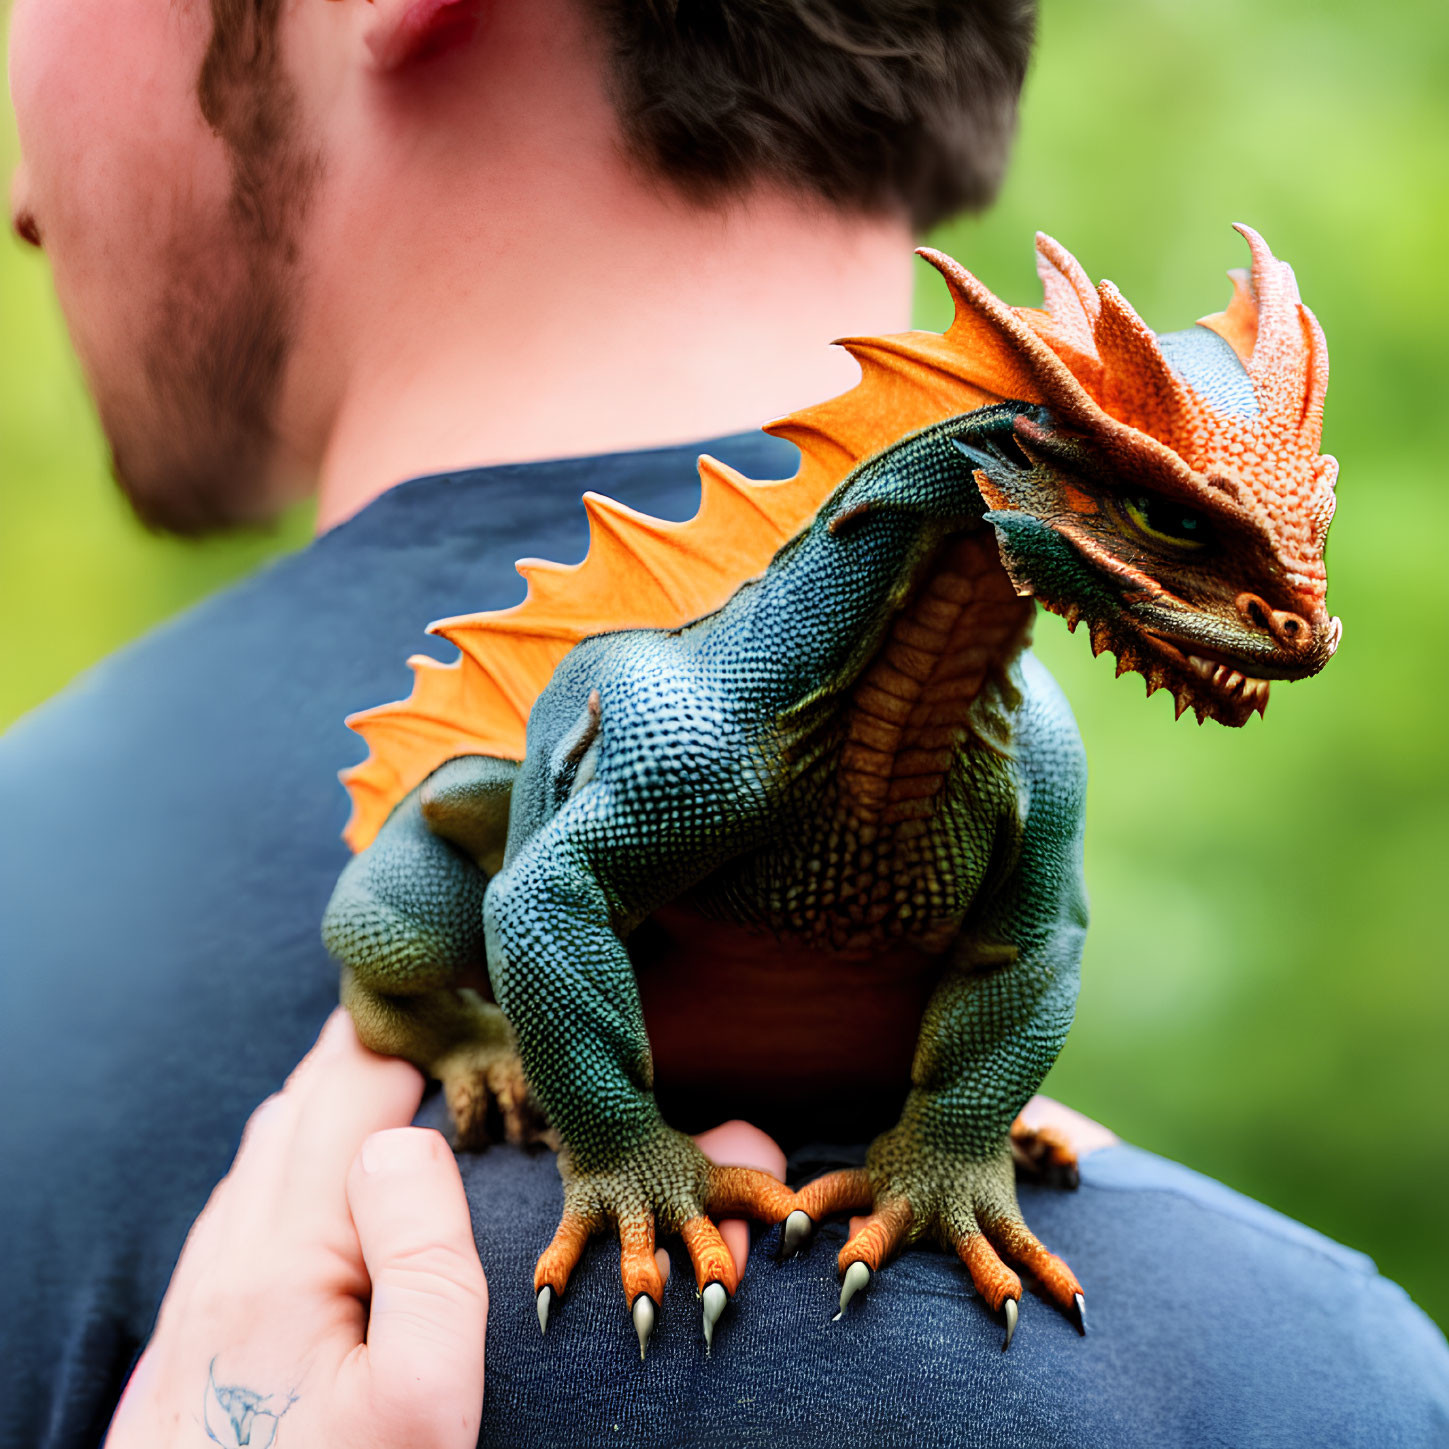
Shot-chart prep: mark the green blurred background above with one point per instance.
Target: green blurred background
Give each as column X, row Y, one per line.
column 1265, row 993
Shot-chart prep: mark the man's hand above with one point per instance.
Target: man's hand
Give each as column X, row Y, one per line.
column 330, row 1293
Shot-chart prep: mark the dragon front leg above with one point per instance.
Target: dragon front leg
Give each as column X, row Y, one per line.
column 946, row 1170
column 561, row 973
column 991, row 1031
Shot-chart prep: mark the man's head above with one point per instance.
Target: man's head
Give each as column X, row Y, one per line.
column 201, row 173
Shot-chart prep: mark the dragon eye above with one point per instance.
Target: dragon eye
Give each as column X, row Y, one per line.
column 1166, row 521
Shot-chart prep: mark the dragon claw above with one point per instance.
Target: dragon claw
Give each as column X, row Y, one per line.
column 628, row 1196
column 857, row 1277
column 798, row 1228
column 643, row 1316
column 712, row 1303
column 968, row 1204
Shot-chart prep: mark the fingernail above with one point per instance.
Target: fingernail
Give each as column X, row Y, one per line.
column 400, row 1149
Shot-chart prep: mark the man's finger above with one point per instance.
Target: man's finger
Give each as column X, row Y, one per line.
column 738, row 1144
column 1084, row 1135
column 252, row 1187
column 249, row 1188
column 424, row 1353
column 343, row 1092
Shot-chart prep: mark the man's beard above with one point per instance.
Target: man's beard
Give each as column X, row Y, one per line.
column 197, row 454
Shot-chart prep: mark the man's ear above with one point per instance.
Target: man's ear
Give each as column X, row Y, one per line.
column 404, row 32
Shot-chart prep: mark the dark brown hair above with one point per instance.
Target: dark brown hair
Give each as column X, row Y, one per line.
column 878, row 105
column 881, row 105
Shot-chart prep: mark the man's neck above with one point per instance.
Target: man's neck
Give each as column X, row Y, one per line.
column 634, row 327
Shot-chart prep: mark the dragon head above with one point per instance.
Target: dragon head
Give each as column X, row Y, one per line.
column 1165, row 491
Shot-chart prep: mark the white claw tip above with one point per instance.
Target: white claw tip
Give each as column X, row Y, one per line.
column 857, row 1276
column 713, row 1303
column 545, row 1300
column 643, row 1316
column 798, row 1227
column 1011, row 1311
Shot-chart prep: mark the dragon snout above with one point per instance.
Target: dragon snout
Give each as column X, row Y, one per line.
column 1300, row 638
column 1292, row 632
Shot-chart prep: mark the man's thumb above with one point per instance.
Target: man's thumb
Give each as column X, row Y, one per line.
column 429, row 1298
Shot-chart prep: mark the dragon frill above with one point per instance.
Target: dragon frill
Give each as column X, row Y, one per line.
column 1149, row 447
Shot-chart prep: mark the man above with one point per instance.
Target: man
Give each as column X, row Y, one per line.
column 331, row 247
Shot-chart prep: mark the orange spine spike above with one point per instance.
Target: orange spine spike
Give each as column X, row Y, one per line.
column 1066, row 288
column 1310, row 426
column 1011, row 357
column 1139, row 388
column 1279, row 361
column 727, row 496
column 1072, row 308
column 548, row 587
column 1237, row 325
column 630, row 545
column 451, row 711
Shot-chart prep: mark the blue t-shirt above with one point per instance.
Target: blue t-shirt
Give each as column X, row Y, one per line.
column 169, row 835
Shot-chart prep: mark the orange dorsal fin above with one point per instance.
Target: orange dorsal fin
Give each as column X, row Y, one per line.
column 639, row 572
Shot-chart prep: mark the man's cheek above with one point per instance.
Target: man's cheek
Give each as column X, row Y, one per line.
column 122, row 173
column 113, row 137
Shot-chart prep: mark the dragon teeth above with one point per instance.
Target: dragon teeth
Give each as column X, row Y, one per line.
column 1229, row 680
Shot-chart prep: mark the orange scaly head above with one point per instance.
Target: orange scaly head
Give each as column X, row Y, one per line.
column 1170, row 492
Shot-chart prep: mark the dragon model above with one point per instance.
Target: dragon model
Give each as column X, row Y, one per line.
column 810, row 713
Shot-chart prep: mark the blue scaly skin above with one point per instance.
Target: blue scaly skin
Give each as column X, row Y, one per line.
column 856, row 753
